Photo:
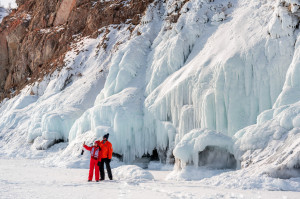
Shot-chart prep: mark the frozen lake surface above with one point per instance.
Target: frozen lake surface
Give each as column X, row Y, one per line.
column 30, row 179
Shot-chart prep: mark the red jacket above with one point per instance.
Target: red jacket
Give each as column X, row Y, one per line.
column 95, row 152
column 106, row 149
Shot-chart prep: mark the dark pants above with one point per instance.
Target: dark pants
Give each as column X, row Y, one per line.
column 107, row 164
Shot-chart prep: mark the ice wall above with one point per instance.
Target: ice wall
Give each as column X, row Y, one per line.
column 273, row 143
column 119, row 106
column 229, row 79
column 209, row 69
column 291, row 89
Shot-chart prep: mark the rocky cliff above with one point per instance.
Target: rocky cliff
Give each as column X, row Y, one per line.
column 35, row 37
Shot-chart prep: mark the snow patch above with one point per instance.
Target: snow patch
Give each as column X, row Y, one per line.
column 190, row 173
column 131, row 173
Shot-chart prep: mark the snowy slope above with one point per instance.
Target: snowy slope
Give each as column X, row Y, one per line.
column 191, row 75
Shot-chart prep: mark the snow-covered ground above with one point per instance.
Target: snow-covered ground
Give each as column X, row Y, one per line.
column 29, row 179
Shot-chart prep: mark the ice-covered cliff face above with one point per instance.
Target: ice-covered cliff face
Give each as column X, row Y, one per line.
column 190, row 76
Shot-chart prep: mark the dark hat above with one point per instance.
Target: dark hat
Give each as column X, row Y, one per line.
column 106, row 136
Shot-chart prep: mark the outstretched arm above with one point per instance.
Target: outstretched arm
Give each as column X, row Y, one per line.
column 87, row 147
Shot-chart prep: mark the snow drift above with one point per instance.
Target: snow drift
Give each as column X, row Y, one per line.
column 132, row 173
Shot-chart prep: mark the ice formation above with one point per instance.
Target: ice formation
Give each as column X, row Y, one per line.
column 225, row 74
column 216, row 149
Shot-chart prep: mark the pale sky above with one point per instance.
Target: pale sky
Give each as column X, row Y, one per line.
column 5, row 3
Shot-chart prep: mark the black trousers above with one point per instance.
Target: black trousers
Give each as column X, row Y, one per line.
column 101, row 168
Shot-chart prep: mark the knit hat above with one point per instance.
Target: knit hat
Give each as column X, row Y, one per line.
column 106, row 136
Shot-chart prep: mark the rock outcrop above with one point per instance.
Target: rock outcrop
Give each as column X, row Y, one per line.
column 35, row 37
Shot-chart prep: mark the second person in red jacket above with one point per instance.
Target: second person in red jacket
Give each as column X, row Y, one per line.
column 95, row 159
column 106, row 155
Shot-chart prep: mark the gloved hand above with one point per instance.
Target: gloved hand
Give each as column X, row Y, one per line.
column 99, row 163
column 109, row 160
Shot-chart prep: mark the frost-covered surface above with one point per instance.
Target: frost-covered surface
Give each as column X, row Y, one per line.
column 221, row 73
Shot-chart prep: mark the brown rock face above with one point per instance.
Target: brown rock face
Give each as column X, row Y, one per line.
column 3, row 60
column 35, row 37
column 63, row 12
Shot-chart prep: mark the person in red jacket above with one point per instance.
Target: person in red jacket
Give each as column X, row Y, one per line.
column 95, row 160
column 106, row 155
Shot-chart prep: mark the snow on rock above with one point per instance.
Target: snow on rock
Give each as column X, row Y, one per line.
column 189, row 148
column 71, row 91
column 273, row 145
column 9, row 4
column 5, row 7
column 218, row 17
column 60, row 104
column 3, row 13
column 41, row 143
column 47, row 110
column 131, row 173
column 282, row 22
column 293, row 4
